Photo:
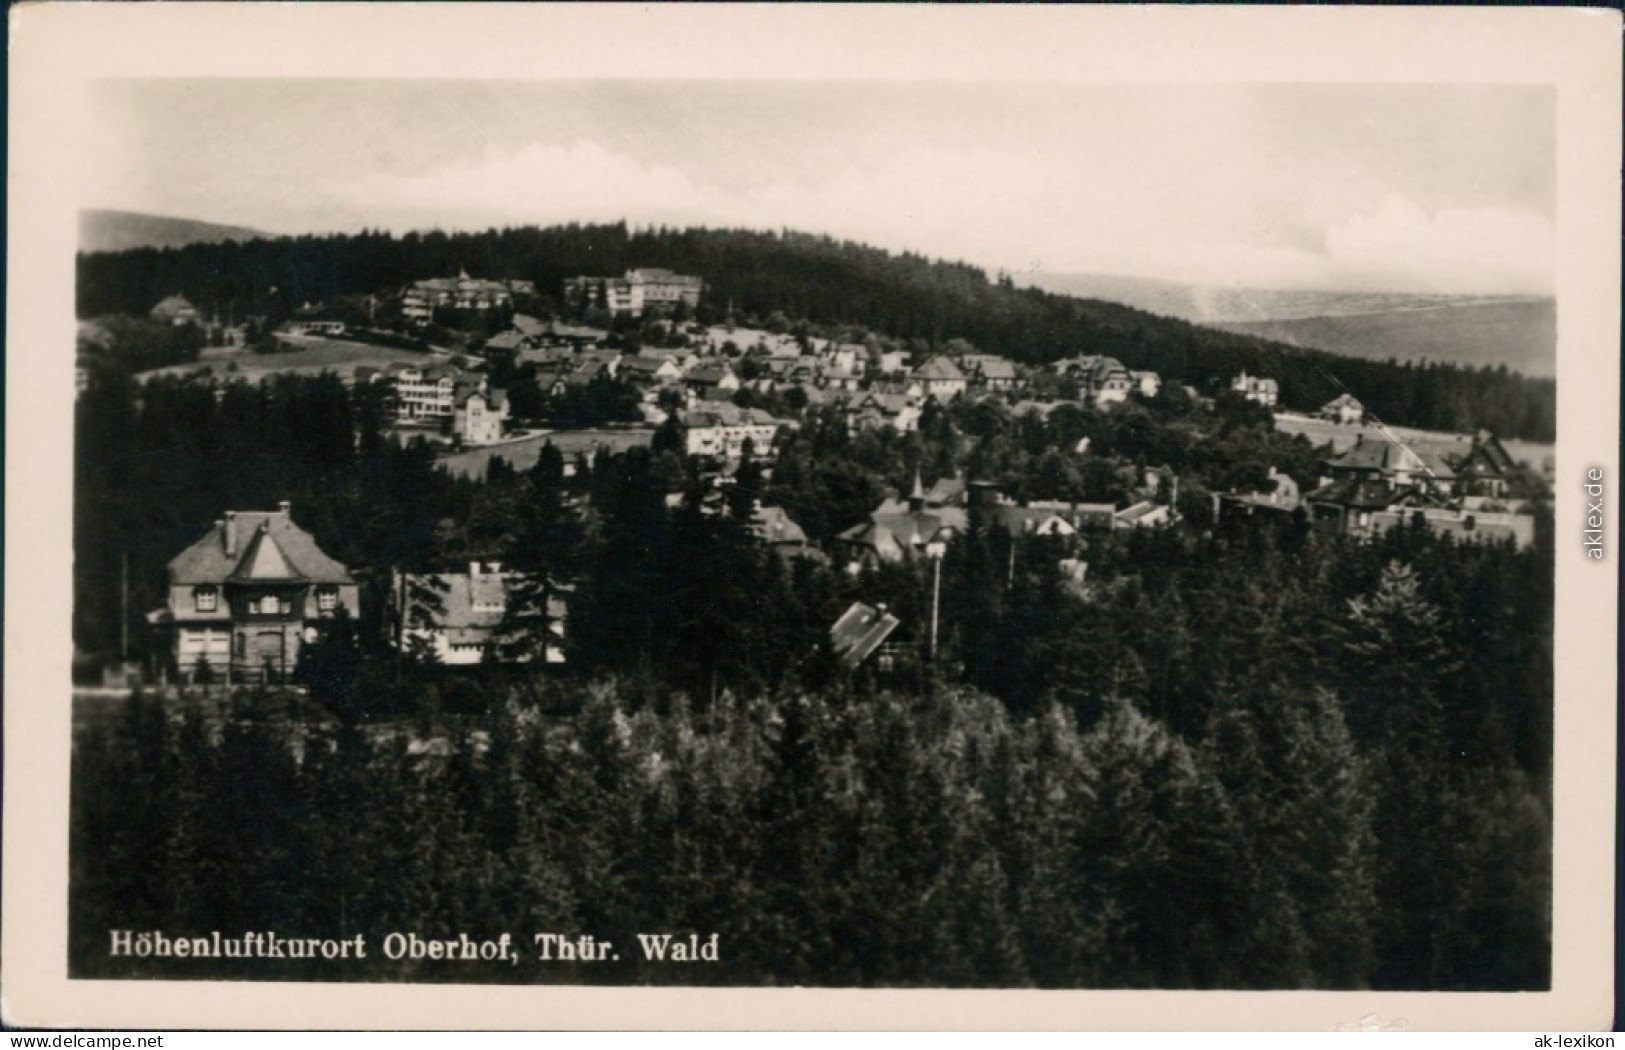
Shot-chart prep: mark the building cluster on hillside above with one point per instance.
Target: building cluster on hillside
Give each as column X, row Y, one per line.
column 246, row 598
column 929, row 518
column 1377, row 485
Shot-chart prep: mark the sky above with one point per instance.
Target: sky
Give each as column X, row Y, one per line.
column 1341, row 187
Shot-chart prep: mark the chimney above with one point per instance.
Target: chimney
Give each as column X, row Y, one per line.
column 230, row 531
column 493, row 567
column 285, row 508
column 916, row 498
column 473, row 568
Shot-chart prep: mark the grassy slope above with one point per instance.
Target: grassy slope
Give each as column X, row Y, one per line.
column 314, row 356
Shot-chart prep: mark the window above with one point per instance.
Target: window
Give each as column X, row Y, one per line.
column 206, row 598
column 327, row 599
column 284, row 606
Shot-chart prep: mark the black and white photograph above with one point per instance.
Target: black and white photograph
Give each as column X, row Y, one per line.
column 620, row 526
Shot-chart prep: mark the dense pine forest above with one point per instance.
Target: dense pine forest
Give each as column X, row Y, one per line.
column 1239, row 755
column 906, row 297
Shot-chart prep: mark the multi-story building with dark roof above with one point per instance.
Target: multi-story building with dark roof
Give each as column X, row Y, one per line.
column 641, row 291
column 1101, row 380
column 422, row 298
column 247, row 596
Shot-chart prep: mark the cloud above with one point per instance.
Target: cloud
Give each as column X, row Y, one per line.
column 1060, row 208
column 1486, row 250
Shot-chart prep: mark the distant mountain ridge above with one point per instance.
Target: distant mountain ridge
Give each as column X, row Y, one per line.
column 1479, row 330
column 106, row 230
column 1518, row 333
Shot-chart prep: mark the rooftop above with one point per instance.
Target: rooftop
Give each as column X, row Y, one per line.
column 265, row 545
column 860, row 631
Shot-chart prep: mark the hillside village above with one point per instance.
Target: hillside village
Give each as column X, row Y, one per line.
column 728, row 396
column 894, row 631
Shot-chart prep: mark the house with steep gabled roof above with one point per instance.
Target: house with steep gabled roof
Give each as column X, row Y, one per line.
column 940, row 378
column 479, row 413
column 176, row 310
column 1263, row 390
column 1344, row 408
column 528, row 326
column 511, row 341
column 873, row 410
column 1094, row 517
column 720, row 429
column 1146, row 384
column 460, row 616
column 649, row 369
column 1277, row 493
column 1403, row 464
column 1484, row 470
column 246, row 597
column 1144, row 515
column 899, row 530
column 711, row 377
column 1101, row 379
column 1346, row 504
column 774, row 527
column 859, row 632
column 1031, row 520
column 990, row 371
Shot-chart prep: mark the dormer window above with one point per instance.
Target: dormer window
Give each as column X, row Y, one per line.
column 206, row 599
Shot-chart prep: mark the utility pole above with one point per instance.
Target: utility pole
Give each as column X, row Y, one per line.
column 936, row 596
column 935, row 550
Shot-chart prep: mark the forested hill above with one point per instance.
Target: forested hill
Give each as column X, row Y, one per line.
column 823, row 281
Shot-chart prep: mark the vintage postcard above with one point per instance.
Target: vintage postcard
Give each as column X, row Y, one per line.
column 903, row 517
